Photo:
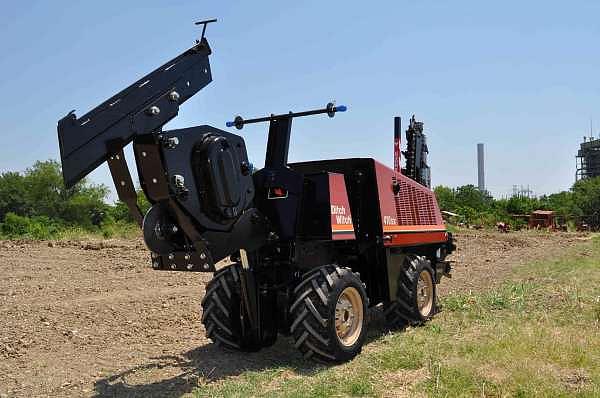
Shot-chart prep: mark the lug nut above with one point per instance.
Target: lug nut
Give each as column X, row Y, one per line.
column 171, row 256
column 190, row 267
column 202, row 256
column 187, row 256
column 173, row 266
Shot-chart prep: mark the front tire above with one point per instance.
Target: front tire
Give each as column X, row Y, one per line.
column 415, row 300
column 221, row 308
column 329, row 314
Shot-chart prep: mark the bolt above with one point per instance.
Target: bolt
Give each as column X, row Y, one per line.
column 174, row 96
column 202, row 256
column 173, row 266
column 171, row 256
column 190, row 267
column 178, row 181
column 153, row 110
column 174, row 229
column 245, row 168
column 117, row 157
column 144, row 154
column 187, row 256
column 172, row 142
column 155, row 264
column 206, row 266
column 122, row 183
column 154, row 180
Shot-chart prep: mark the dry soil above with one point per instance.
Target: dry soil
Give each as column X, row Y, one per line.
column 93, row 319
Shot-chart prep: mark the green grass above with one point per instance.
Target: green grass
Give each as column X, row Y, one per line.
column 536, row 335
column 123, row 230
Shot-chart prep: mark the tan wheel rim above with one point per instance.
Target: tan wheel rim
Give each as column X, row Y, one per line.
column 425, row 293
column 349, row 316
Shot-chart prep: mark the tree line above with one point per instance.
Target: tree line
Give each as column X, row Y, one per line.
column 580, row 204
column 36, row 204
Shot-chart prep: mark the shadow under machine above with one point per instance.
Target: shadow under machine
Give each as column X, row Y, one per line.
column 313, row 245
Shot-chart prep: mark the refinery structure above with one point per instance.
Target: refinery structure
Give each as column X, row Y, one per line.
column 588, row 159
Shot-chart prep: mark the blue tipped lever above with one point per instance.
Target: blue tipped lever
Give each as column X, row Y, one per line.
column 330, row 109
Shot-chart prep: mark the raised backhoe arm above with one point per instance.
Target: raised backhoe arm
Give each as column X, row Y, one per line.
column 142, row 108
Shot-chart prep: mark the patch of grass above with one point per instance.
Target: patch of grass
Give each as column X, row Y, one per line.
column 401, row 352
column 41, row 228
column 536, row 335
column 445, row 381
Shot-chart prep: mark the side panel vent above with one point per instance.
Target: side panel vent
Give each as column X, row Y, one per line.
column 414, row 205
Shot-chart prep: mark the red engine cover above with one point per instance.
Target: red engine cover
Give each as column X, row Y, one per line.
column 409, row 211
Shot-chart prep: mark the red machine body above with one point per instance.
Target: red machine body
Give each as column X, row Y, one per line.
column 370, row 201
column 409, row 211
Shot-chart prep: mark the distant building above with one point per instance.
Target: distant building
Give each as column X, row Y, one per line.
column 588, row 159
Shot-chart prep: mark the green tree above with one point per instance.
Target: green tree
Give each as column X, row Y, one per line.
column 446, row 198
column 586, row 196
column 471, row 196
column 522, row 205
column 12, row 195
column 83, row 204
column 40, row 192
column 562, row 203
column 120, row 212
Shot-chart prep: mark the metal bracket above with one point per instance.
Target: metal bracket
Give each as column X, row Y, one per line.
column 250, row 298
column 124, row 184
column 204, row 23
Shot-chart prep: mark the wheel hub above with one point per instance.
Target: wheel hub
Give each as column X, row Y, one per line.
column 349, row 316
column 425, row 293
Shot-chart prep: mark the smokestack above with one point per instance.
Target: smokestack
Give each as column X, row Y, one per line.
column 480, row 168
column 397, row 138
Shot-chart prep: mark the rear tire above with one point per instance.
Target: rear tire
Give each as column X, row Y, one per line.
column 415, row 300
column 221, row 308
column 329, row 314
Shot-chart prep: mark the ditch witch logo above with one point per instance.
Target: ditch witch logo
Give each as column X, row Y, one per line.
column 340, row 215
column 389, row 220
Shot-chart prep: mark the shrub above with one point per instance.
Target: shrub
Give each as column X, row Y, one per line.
column 15, row 226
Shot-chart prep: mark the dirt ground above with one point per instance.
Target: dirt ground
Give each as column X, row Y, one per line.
column 93, row 319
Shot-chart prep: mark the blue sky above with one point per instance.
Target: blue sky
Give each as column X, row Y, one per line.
column 522, row 77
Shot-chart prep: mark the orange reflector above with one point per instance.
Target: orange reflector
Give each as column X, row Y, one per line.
column 277, row 193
